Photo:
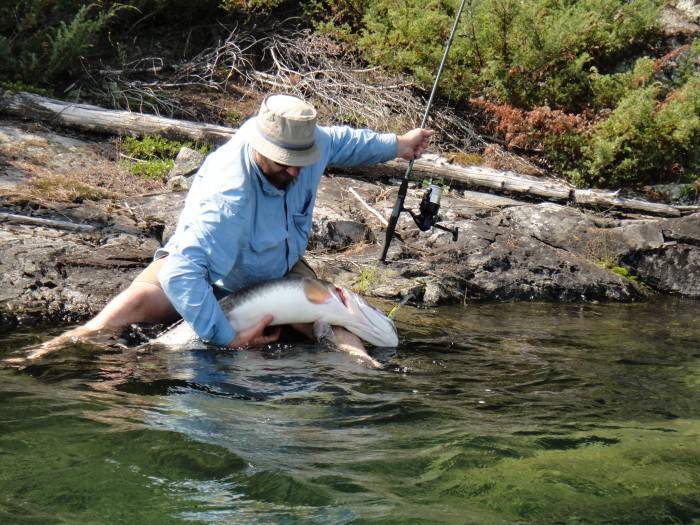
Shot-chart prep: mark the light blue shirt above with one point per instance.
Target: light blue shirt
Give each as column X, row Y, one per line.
column 237, row 229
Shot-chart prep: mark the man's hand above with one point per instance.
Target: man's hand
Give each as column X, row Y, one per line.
column 255, row 335
column 413, row 144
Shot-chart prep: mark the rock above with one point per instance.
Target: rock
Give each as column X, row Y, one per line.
column 558, row 226
column 10, row 178
column 691, row 8
column 514, row 266
column 672, row 192
column 506, row 250
column 339, row 234
column 52, row 275
column 673, row 270
column 673, row 267
column 186, row 163
column 179, row 183
column 685, row 229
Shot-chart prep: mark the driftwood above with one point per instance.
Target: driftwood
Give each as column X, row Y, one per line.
column 47, row 223
column 93, row 118
column 509, row 182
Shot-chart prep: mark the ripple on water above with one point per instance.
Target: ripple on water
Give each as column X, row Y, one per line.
column 493, row 413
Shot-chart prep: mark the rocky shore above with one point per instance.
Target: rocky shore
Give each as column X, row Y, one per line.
column 62, row 261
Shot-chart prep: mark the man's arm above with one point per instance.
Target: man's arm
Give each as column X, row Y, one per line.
column 361, row 147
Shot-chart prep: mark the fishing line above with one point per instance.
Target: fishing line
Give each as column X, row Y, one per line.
column 403, row 189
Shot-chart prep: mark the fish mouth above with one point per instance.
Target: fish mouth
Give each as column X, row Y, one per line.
column 369, row 323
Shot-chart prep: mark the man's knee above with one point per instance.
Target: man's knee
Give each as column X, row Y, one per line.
column 140, row 303
column 148, row 303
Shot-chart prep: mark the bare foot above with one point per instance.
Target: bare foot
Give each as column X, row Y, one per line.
column 350, row 344
column 71, row 337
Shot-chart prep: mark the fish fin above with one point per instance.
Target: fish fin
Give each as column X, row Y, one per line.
column 323, row 331
column 316, row 292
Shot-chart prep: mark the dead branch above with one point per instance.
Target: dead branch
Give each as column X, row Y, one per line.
column 314, row 66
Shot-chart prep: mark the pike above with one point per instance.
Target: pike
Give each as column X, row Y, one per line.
column 296, row 299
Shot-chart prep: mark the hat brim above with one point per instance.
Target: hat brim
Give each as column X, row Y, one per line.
column 283, row 156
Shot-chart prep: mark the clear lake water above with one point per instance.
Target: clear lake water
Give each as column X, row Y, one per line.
column 490, row 413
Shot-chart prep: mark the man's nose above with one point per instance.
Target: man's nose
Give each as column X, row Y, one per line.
column 293, row 170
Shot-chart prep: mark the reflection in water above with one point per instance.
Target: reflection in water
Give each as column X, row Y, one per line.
column 493, row 413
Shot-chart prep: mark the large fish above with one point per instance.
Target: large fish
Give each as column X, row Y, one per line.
column 296, row 299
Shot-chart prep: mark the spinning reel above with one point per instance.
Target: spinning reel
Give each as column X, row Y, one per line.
column 429, row 209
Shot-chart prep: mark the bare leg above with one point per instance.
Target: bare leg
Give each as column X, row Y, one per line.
column 142, row 302
column 349, row 343
column 345, row 341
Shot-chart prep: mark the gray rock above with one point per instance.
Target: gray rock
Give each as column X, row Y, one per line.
column 675, row 269
column 526, row 252
column 186, row 164
column 179, row 183
column 339, row 234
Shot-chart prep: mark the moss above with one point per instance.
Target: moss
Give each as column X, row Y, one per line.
column 466, row 159
column 619, row 270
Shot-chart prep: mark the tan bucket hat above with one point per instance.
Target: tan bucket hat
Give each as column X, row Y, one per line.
column 284, row 131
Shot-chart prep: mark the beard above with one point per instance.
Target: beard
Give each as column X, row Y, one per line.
column 280, row 180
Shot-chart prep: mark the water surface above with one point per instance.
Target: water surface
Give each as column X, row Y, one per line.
column 487, row 413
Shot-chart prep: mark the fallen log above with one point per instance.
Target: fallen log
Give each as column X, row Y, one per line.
column 509, row 182
column 92, row 118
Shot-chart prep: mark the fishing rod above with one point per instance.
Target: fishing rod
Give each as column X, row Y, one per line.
column 430, row 205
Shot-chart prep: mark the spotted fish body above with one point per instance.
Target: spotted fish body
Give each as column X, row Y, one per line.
column 296, row 299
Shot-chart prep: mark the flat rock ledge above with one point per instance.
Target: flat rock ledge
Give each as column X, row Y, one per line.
column 53, row 271
column 63, row 262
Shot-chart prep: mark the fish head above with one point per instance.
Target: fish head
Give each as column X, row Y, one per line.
column 365, row 321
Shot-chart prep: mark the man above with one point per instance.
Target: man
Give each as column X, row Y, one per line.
column 247, row 219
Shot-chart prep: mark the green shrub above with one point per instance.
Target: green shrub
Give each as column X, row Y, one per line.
column 43, row 39
column 339, row 17
column 650, row 137
column 407, row 36
column 152, row 157
column 264, row 7
column 525, row 54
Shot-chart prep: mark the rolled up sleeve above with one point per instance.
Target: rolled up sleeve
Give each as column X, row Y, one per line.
column 203, row 242
column 359, row 147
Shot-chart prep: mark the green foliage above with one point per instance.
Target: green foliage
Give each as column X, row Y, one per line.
column 152, row 157
column 553, row 70
column 367, row 280
column 407, row 36
column 338, row 17
column 651, row 136
column 526, row 54
column 619, row 270
column 577, row 80
column 437, row 182
column 43, row 39
column 13, row 87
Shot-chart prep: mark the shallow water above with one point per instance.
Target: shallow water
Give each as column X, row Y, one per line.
column 490, row 413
